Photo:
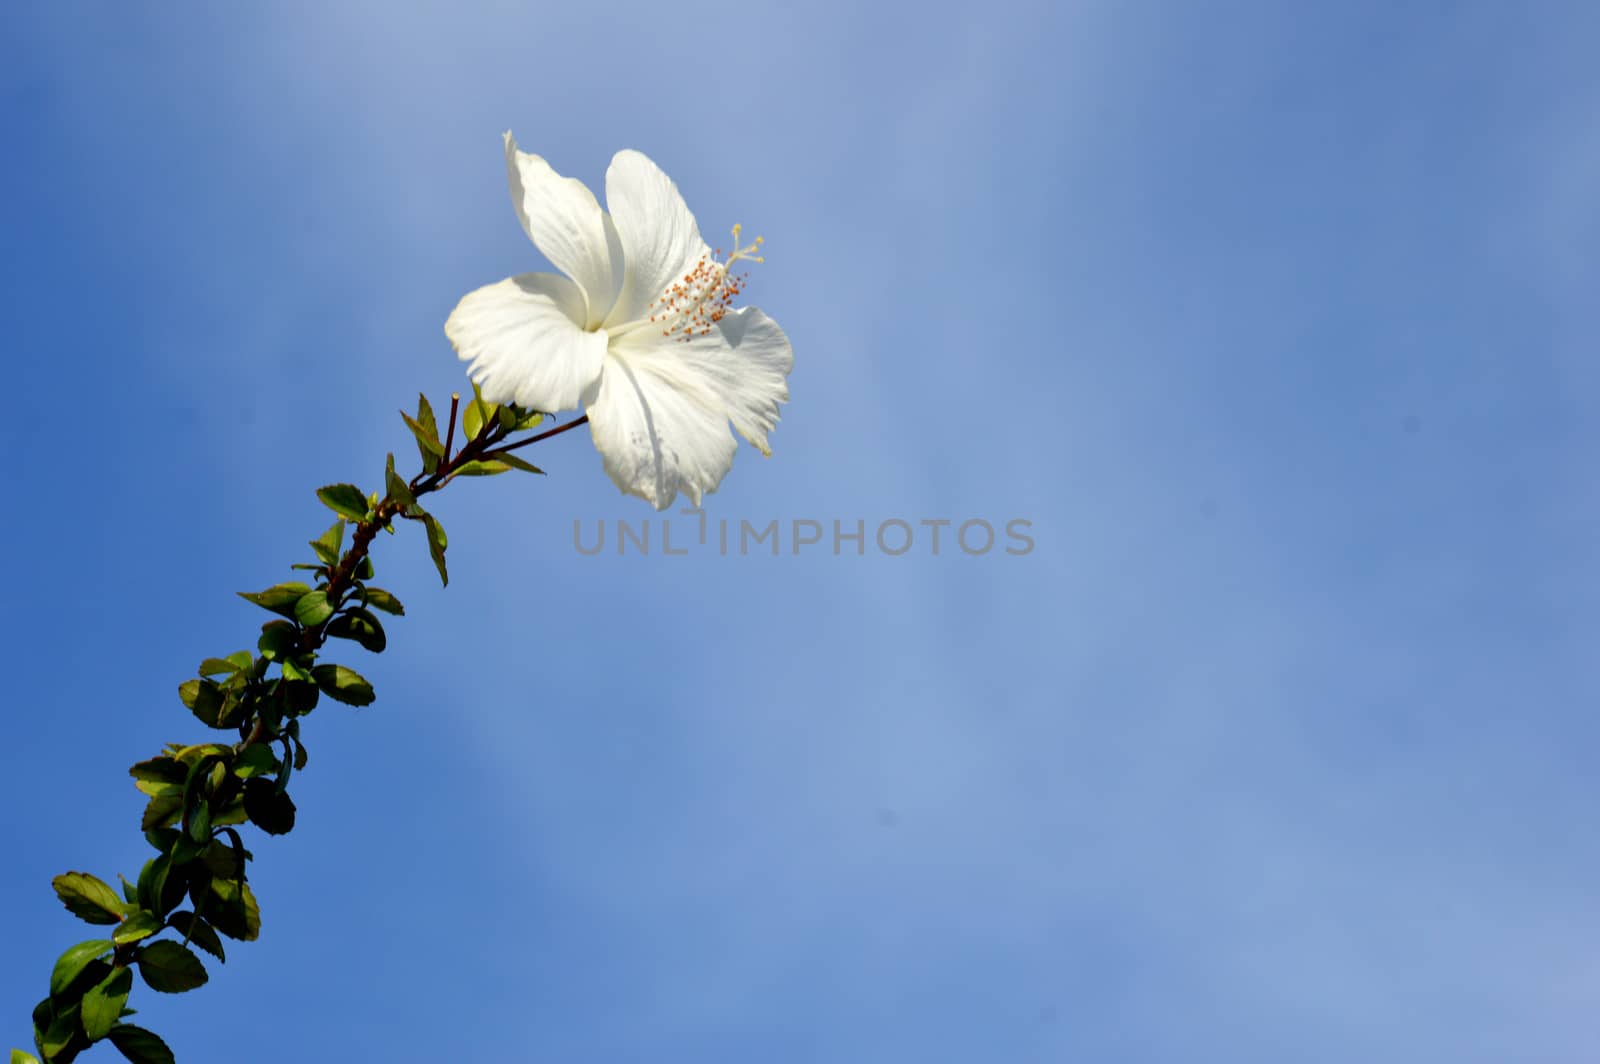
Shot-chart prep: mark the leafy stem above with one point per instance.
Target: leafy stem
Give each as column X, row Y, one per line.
column 198, row 792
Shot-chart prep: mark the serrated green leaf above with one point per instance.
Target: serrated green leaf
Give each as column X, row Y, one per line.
column 514, row 462
column 343, row 684
column 269, row 809
column 346, row 500
column 279, row 639
column 426, row 432
column 437, row 543
column 159, row 770
column 313, row 608
column 360, row 625
column 139, row 925
column 482, row 469
column 379, row 599
column 72, row 963
column 161, row 811
column 170, row 968
column 185, row 849
column 103, row 1004
column 140, row 1046
column 200, row 822
column 224, row 862
column 476, row 414
column 61, row 1033
column 88, row 898
column 279, row 598
column 232, row 909
column 161, row 886
column 329, row 543
column 204, row 699
column 398, row 489
column 255, row 760
column 197, row 932
column 155, row 790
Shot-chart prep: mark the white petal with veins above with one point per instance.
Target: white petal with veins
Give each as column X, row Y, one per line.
column 659, row 237
column 565, row 222
column 525, row 342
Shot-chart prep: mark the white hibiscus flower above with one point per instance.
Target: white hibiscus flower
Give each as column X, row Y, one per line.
column 641, row 331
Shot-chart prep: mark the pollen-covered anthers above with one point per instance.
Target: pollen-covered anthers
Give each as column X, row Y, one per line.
column 693, row 305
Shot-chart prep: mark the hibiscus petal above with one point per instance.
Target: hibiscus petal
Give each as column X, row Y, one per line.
column 661, row 412
column 525, row 342
column 565, row 222
column 660, row 240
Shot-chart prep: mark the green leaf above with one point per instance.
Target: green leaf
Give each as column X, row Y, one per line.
column 313, row 608
column 514, row 462
column 205, row 699
column 476, row 415
column 255, row 760
column 162, row 811
column 103, row 1004
column 159, row 770
column 19, row 1057
column 426, row 430
column 327, row 545
column 200, row 822
column 346, row 500
column 140, row 925
column 343, row 684
column 379, row 599
column 59, row 1035
column 88, row 898
column 170, row 968
column 300, row 755
column 397, row 488
column 361, row 626
column 198, row 932
column 218, row 667
column 482, row 469
column 140, row 1046
column 232, row 909
column 528, row 419
column 157, row 776
column 437, row 542
column 224, row 862
column 300, row 697
column 161, row 885
column 269, row 809
column 72, row 963
column 279, row 598
column 185, row 849
column 279, row 639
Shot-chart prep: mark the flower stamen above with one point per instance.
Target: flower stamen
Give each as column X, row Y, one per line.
column 692, row 306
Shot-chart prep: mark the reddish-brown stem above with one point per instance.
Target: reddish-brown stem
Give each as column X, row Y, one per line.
column 450, row 434
column 558, row 430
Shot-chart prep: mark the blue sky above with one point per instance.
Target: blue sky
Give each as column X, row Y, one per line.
column 1276, row 321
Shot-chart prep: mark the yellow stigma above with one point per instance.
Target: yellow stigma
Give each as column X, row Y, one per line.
column 692, row 306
